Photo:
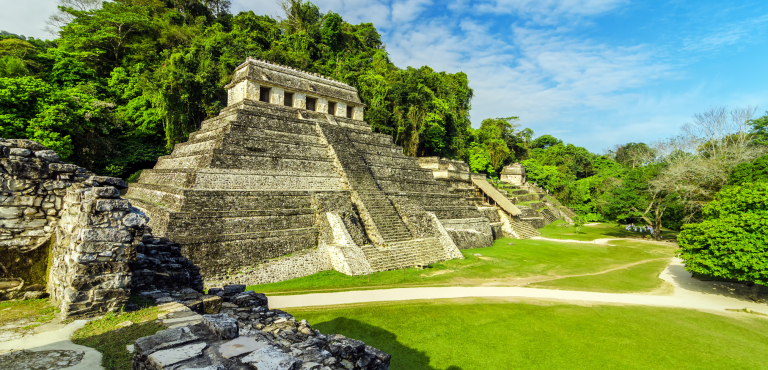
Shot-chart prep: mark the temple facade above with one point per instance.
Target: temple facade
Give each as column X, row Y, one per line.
column 513, row 174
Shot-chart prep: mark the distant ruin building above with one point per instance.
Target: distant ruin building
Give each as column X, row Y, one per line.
column 513, row 174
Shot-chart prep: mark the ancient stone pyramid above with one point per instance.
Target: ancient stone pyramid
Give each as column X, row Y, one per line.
column 289, row 180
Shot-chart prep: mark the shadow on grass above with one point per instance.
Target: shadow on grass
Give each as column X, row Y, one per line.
column 740, row 291
column 403, row 357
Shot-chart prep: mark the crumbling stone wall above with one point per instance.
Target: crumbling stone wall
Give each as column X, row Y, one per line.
column 66, row 231
column 33, row 183
column 93, row 245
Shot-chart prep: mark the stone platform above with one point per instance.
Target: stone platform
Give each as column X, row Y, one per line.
column 289, row 180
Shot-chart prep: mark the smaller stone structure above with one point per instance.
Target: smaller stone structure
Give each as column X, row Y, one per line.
column 514, row 211
column 513, row 174
column 246, row 334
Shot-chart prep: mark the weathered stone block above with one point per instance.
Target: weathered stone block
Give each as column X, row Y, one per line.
column 62, row 167
column 27, row 144
column 234, row 288
column 19, row 223
column 135, row 219
column 96, row 247
column 222, row 326
column 109, row 181
column 102, row 295
column 105, row 235
column 211, row 304
column 48, row 155
column 107, row 205
column 101, row 268
column 18, row 200
column 240, row 346
column 271, row 358
column 165, row 358
column 106, row 192
column 21, row 152
column 10, row 212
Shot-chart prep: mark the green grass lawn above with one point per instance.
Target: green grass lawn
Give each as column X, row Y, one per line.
column 503, row 264
column 558, row 230
column 108, row 337
column 640, row 278
column 485, row 334
column 37, row 310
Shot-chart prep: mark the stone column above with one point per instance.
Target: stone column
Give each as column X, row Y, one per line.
column 245, row 89
column 322, row 105
column 341, row 109
column 278, row 96
column 93, row 245
column 358, row 114
column 300, row 100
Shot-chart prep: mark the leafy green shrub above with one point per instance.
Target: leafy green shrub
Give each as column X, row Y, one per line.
column 755, row 171
column 732, row 240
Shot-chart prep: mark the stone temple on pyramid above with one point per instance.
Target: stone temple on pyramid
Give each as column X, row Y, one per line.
column 288, row 180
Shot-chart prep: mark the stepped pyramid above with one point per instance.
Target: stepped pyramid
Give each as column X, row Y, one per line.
column 288, row 180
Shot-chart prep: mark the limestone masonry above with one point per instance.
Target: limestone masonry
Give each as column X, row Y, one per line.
column 289, row 180
column 67, row 233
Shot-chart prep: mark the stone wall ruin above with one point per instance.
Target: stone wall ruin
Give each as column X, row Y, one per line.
column 67, row 233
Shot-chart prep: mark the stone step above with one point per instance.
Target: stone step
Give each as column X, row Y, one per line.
column 524, row 230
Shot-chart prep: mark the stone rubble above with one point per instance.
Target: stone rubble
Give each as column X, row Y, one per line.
column 246, row 334
column 40, row 360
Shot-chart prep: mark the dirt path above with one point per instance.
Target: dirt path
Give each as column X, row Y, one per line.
column 603, row 241
column 53, row 341
column 688, row 293
column 541, row 279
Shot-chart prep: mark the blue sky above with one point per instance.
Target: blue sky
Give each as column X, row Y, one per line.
column 592, row 72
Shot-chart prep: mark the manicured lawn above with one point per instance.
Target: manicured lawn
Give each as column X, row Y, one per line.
column 639, row 278
column 492, row 334
column 108, row 337
column 558, row 230
column 503, row 264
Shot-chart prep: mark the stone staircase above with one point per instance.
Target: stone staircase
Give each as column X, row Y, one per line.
column 386, row 218
column 403, row 254
column 524, row 230
column 548, row 216
column 382, row 211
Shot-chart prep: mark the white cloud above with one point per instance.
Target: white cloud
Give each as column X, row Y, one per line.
column 542, row 11
column 729, row 34
column 408, row 10
column 545, row 76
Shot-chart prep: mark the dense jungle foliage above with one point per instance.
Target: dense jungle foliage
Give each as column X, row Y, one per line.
column 125, row 80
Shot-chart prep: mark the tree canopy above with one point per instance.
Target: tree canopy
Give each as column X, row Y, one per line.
column 732, row 240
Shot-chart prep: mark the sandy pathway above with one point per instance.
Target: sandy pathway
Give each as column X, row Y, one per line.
column 57, row 340
column 603, row 241
column 688, row 293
